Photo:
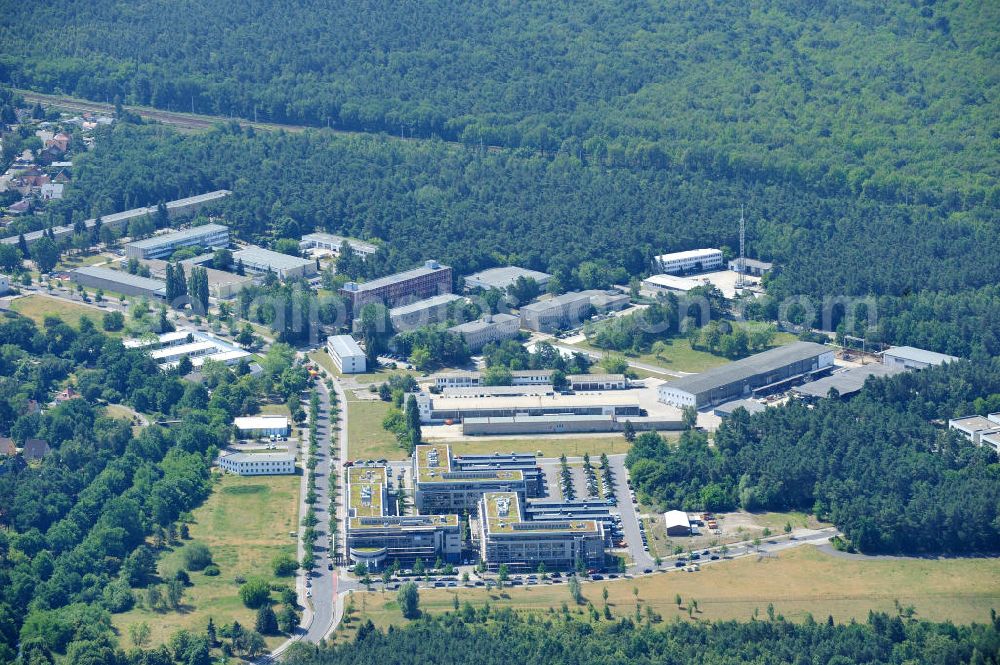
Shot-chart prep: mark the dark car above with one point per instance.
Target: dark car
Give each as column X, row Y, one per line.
column 714, row 557
column 680, row 564
column 647, row 570
column 596, row 577
column 329, row 566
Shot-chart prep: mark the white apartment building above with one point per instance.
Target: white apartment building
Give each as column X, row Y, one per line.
column 258, row 464
column 346, row 354
column 692, row 260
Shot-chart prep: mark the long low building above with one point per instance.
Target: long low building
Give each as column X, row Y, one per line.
column 592, row 382
column 692, row 260
column 799, row 361
column 258, row 261
column 672, row 283
column 910, row 357
column 258, row 464
column 846, row 382
column 420, row 313
column 504, row 277
column 214, row 236
column 346, row 354
column 491, row 329
column 570, row 309
column 118, row 281
column 222, row 285
column 506, row 537
column 377, row 538
column 521, row 377
column 120, row 220
column 440, row 409
column 262, row 425
column 332, row 243
column 565, row 424
column 194, row 349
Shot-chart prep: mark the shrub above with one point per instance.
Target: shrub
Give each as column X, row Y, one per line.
column 284, row 565
column 255, row 592
column 197, row 556
column 211, row 570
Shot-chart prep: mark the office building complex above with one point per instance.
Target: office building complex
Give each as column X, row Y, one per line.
column 346, row 354
column 440, row 487
column 257, row 260
column 507, row 537
column 570, row 309
column 377, row 538
column 692, row 260
column 214, row 236
column 428, row 280
column 422, row 312
column 491, row 329
column 755, row 375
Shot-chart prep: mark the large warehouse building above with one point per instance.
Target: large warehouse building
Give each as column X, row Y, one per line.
column 214, row 236
column 221, row 284
column 118, row 281
column 428, row 280
column 746, row 377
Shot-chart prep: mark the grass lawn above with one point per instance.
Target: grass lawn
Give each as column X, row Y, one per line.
column 366, row 439
column 245, row 523
column 554, row 447
column 37, row 307
column 799, row 581
column 78, row 260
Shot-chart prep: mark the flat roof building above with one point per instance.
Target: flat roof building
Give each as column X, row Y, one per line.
column 438, row 487
column 258, row 464
column 750, row 376
column 846, row 382
column 490, row 329
column 118, row 281
column 751, row 267
column 526, row 463
column 428, row 280
column 439, row 408
column 258, row 261
column 665, row 282
column 519, row 377
column 346, row 354
column 420, row 313
column 378, row 538
column 569, row 309
column 507, row 537
column 727, row 409
column 977, row 428
column 120, row 220
column 215, row 236
column 332, row 243
column 596, row 382
column 264, row 425
column 222, row 285
column 909, row 357
column 171, row 354
column 503, row 278
column 692, row 260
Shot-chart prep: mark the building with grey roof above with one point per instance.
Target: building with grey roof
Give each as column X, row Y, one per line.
column 846, row 382
column 428, row 280
column 221, row 284
column 504, row 277
column 910, row 357
column 570, row 309
column 118, row 281
column 332, row 243
column 423, row 312
column 752, row 267
column 490, row 329
column 976, row 428
column 258, row 261
column 258, row 464
column 215, row 236
column 757, row 374
column 120, row 220
column 346, row 354
column 726, row 410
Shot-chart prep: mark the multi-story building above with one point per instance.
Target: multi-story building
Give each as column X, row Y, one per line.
column 692, row 260
column 526, row 463
column 440, row 488
column 570, row 309
column 258, row 464
column 506, row 537
column 490, row 329
column 597, row 382
column 428, row 280
column 419, row 313
column 120, row 220
column 257, row 260
column 346, row 354
column 214, row 236
column 521, row 377
column 377, row 538
column 437, row 409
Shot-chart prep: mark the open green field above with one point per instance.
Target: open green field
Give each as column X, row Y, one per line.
column 37, row 307
column 366, row 438
column 79, row 260
column 799, row 581
column 553, row 447
column 245, row 523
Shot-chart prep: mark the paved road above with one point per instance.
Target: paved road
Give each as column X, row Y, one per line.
column 630, row 523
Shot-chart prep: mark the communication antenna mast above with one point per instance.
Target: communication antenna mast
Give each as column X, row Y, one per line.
column 741, row 281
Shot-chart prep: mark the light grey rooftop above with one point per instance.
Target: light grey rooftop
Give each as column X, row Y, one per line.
column 260, row 457
column 121, row 277
column 276, row 260
column 345, row 346
column 420, row 305
column 920, row 355
column 848, row 381
column 179, row 236
column 504, row 276
column 747, row 367
column 426, row 269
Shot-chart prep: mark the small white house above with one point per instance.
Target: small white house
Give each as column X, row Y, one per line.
column 677, row 523
column 258, row 464
column 262, row 425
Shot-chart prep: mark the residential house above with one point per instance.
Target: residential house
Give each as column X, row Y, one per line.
column 36, row 449
column 7, row 447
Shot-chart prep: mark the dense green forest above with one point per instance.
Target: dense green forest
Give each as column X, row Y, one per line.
column 875, row 466
column 896, row 101
column 81, row 528
column 486, row 637
column 581, row 221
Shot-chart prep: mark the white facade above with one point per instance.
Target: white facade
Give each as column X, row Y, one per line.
column 670, row 283
column 909, row 357
column 4, row 284
column 262, row 425
column 332, row 243
column 346, row 354
column 258, row 464
column 215, row 236
column 257, row 260
column 488, row 330
column 693, row 260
